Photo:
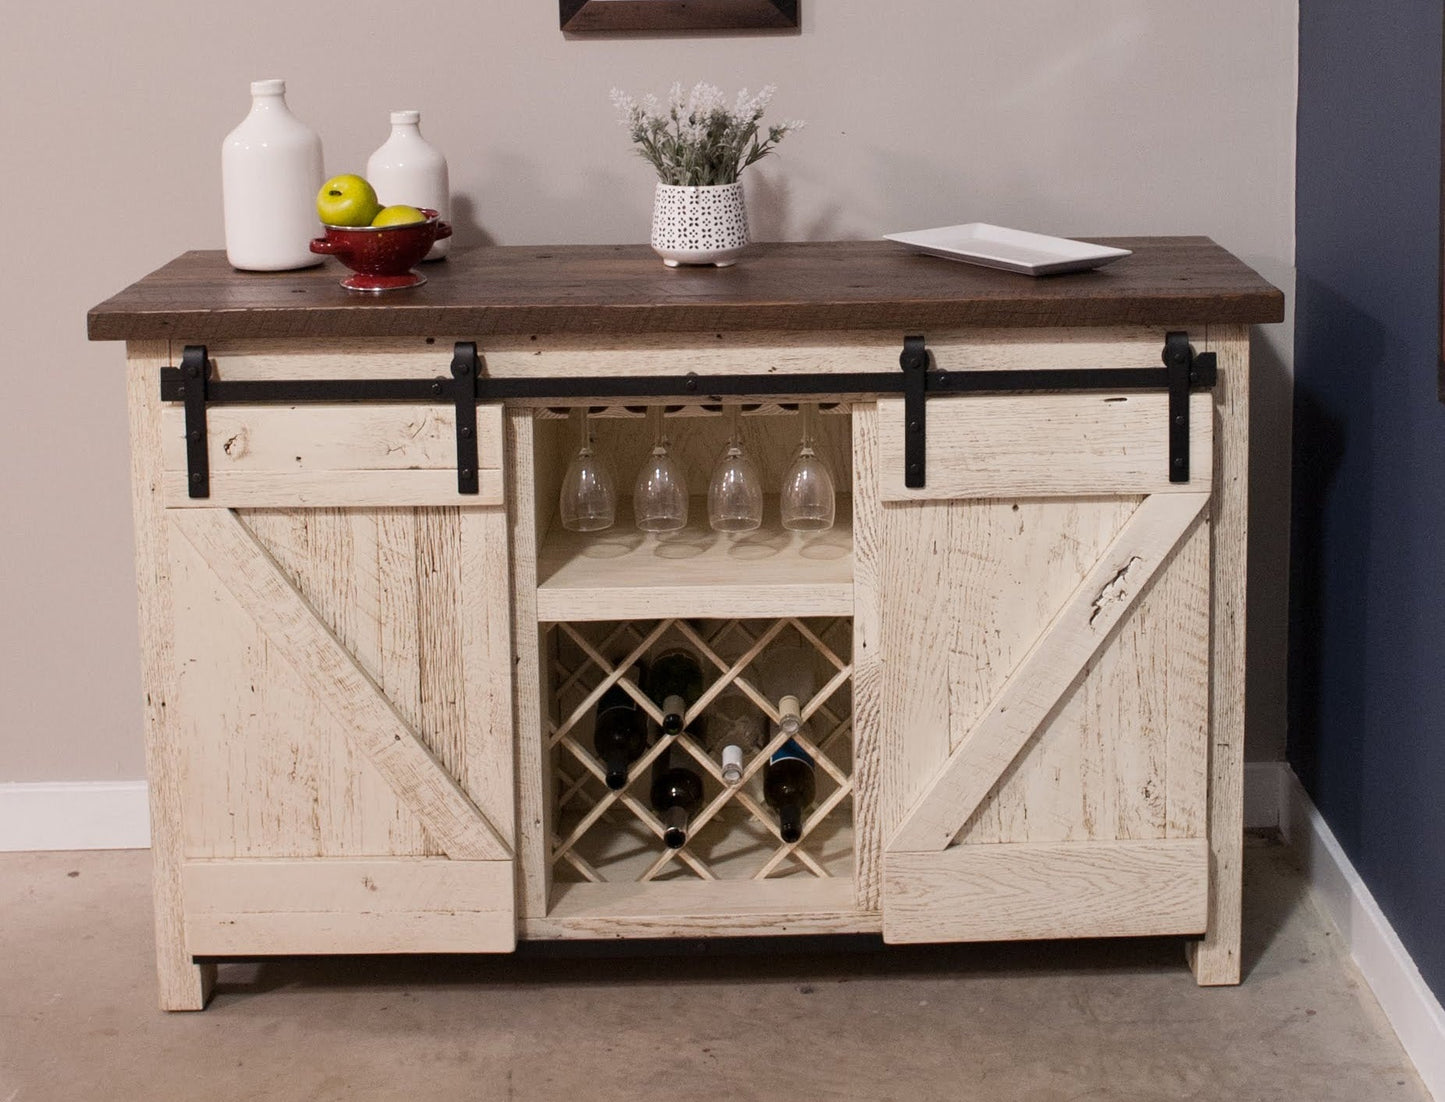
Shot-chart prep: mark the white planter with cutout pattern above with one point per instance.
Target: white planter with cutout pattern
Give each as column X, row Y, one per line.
column 699, row 225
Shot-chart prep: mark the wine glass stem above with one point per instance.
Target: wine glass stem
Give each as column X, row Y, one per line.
column 586, row 442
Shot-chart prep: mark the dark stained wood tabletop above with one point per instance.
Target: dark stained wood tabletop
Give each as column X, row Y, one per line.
column 625, row 289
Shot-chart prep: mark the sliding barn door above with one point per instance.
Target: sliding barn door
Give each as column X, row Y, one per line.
column 342, row 702
column 1042, row 614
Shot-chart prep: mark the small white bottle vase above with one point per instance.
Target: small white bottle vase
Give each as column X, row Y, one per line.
column 270, row 174
column 409, row 169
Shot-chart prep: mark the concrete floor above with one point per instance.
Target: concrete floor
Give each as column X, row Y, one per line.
column 1043, row 1022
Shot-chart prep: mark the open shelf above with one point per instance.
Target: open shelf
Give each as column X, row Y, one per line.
column 623, row 574
column 721, row 908
column 601, row 838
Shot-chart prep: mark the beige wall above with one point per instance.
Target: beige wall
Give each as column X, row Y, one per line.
column 1073, row 117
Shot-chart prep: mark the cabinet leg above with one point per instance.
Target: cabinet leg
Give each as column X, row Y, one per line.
column 184, row 985
column 1215, row 959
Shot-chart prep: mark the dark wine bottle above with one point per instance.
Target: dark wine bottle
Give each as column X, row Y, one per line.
column 676, row 796
column 620, row 734
column 789, row 787
column 674, row 682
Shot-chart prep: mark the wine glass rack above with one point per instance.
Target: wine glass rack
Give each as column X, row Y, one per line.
column 602, row 836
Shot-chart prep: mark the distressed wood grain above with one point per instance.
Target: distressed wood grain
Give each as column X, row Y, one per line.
column 1034, row 890
column 182, row 984
column 332, row 676
column 1034, row 689
column 1215, row 960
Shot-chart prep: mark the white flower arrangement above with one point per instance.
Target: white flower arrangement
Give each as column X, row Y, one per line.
column 697, row 140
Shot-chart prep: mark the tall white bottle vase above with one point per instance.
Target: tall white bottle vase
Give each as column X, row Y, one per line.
column 270, row 174
column 409, row 169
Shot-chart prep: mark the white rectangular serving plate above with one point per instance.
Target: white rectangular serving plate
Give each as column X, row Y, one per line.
column 1034, row 254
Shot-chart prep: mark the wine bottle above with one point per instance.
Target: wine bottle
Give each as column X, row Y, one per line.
column 620, row 733
column 788, row 678
column 674, row 682
column 789, row 787
column 735, row 729
column 676, row 796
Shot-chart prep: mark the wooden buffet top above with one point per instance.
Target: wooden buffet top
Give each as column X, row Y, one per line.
column 625, row 289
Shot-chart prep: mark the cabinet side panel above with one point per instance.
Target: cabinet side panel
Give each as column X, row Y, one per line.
column 1216, row 959
column 183, row 985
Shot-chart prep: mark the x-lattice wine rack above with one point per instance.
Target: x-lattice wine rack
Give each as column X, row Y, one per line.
column 602, row 836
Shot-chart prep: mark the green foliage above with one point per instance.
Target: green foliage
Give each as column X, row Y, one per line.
column 697, row 140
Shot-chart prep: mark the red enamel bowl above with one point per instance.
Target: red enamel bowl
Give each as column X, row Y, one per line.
column 382, row 256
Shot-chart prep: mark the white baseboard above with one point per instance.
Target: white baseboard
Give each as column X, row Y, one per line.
column 74, row 815
column 1413, row 1010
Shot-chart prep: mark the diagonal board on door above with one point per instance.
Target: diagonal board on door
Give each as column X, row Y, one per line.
column 1047, row 787
column 1034, row 690
column 341, row 685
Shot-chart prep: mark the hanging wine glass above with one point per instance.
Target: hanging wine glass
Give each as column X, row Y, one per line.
column 588, row 502
column 808, row 502
column 659, row 497
column 735, row 495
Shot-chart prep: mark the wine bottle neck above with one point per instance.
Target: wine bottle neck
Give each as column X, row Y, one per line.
column 674, row 821
column 732, row 763
column 617, row 763
column 674, row 708
column 790, row 714
column 790, row 822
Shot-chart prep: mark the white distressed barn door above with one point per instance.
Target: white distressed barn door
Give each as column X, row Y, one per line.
column 1042, row 615
column 342, row 703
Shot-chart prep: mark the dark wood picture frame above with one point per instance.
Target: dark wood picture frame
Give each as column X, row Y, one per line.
column 652, row 16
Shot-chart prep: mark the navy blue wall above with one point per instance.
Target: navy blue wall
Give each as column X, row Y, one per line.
column 1367, row 616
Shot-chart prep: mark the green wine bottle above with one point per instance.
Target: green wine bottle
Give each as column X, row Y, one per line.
column 676, row 796
column 674, row 682
column 620, row 733
column 789, row 787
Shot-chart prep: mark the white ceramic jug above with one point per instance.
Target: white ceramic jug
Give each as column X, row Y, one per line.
column 270, row 174
column 409, row 169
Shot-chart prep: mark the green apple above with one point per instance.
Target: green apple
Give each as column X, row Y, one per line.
column 347, row 201
column 398, row 215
